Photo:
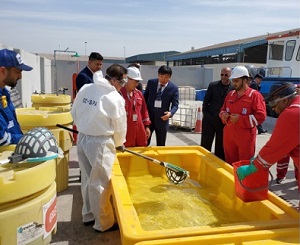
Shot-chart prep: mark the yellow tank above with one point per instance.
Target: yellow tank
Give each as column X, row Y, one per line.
column 45, row 117
column 21, row 180
column 32, row 219
column 48, row 117
column 51, row 100
column 7, row 148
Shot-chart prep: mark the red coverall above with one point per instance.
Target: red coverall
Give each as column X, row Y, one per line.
column 239, row 139
column 282, row 167
column 283, row 141
column 137, row 118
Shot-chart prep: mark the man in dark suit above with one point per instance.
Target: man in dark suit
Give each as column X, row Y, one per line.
column 161, row 96
column 86, row 75
column 211, row 124
column 255, row 84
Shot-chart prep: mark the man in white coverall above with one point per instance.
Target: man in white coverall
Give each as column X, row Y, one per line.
column 100, row 116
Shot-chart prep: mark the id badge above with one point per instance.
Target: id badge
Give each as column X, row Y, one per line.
column 134, row 117
column 157, row 103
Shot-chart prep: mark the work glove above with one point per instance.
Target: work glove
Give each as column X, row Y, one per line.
column 243, row 171
column 120, row 148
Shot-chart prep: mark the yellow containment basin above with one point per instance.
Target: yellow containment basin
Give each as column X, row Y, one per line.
column 25, row 179
column 149, row 207
column 262, row 237
column 31, row 220
column 51, row 100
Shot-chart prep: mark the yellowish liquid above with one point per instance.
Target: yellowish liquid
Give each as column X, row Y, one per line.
column 162, row 205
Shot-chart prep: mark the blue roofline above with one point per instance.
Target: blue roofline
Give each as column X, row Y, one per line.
column 216, row 51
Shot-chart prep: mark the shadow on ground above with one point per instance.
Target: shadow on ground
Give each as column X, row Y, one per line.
column 70, row 229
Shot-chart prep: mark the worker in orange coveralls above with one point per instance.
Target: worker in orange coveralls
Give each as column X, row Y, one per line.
column 243, row 109
column 285, row 138
column 138, row 120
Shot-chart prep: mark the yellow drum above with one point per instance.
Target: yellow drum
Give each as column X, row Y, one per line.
column 51, row 100
column 48, row 117
column 33, row 219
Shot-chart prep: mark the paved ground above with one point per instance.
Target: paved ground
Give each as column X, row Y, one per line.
column 71, row 231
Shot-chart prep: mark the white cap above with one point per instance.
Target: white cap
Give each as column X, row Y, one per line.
column 239, row 71
column 134, row 73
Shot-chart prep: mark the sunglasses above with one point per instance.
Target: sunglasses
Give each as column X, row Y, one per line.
column 226, row 75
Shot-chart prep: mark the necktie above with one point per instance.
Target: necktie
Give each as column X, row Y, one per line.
column 159, row 92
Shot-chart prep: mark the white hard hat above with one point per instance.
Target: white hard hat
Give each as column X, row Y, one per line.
column 134, row 73
column 239, row 71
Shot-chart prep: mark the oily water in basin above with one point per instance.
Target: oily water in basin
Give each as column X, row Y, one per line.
column 162, row 205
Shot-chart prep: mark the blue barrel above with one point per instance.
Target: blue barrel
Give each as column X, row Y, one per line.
column 200, row 94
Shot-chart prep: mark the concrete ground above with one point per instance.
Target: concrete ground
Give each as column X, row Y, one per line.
column 71, row 231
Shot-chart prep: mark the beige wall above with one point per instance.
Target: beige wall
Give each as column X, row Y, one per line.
column 32, row 80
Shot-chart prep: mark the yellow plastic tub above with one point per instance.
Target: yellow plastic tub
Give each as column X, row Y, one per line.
column 30, row 220
column 21, row 180
column 51, row 100
column 264, row 237
column 149, row 208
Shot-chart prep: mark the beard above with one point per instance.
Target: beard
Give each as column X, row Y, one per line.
column 239, row 87
column 10, row 82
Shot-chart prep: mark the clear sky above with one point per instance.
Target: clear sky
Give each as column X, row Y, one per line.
column 125, row 28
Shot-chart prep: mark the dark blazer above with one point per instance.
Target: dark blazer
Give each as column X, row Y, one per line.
column 84, row 77
column 214, row 98
column 254, row 85
column 169, row 97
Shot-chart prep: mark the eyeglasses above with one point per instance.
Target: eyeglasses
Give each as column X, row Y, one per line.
column 121, row 82
column 226, row 75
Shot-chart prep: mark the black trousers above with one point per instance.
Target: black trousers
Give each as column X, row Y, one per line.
column 213, row 127
column 161, row 135
column 260, row 129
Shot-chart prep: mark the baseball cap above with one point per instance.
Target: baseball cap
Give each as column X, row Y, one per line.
column 9, row 58
column 134, row 73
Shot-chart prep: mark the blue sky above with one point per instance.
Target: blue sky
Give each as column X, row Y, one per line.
column 118, row 28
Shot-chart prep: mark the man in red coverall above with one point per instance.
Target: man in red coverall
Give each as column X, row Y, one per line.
column 138, row 120
column 283, row 164
column 243, row 109
column 285, row 137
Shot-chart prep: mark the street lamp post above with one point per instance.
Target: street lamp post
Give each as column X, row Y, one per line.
column 85, row 43
column 75, row 54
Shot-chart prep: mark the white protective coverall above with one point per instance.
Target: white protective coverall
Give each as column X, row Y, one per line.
column 100, row 116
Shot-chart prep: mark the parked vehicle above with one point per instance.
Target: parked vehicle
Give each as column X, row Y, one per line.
column 283, row 62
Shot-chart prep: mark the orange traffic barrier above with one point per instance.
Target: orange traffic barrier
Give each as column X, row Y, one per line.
column 198, row 126
column 74, row 92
